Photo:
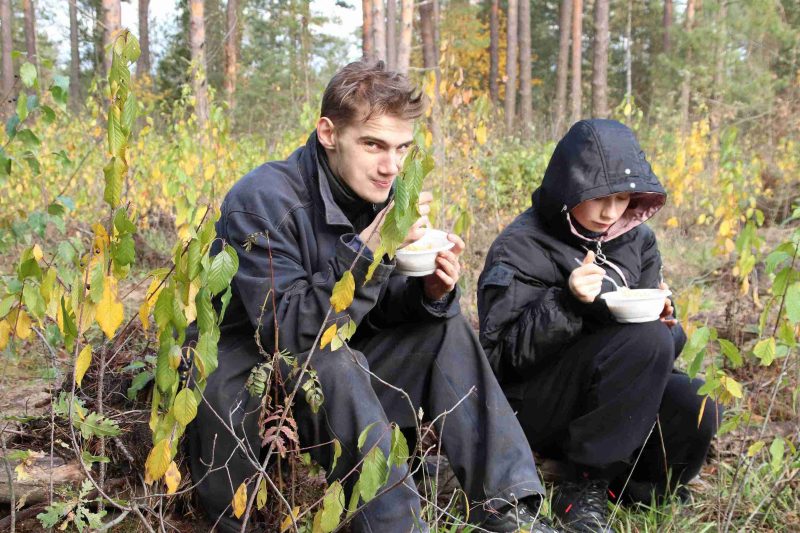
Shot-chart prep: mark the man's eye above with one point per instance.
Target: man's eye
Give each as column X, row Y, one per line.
column 403, row 149
column 371, row 146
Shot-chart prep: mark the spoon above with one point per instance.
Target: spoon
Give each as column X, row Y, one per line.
column 609, row 278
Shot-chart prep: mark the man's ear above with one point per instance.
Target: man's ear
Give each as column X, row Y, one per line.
column 326, row 133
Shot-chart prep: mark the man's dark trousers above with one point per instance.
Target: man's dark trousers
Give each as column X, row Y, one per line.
column 596, row 404
column 440, row 366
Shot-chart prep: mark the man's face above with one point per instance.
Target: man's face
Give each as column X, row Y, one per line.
column 368, row 156
column 600, row 214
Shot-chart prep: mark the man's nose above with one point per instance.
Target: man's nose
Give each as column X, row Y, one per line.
column 391, row 163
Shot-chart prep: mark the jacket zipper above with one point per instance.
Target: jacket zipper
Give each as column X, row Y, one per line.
column 601, row 260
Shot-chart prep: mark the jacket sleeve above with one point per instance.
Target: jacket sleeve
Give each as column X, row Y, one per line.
column 302, row 297
column 404, row 301
column 651, row 262
column 522, row 320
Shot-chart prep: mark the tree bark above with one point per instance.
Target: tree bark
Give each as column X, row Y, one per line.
column 562, row 68
column 511, row 63
column 686, row 83
column 367, row 47
column 379, row 30
column 30, row 32
column 8, row 65
column 600, row 60
column 628, row 63
column 231, row 46
column 197, row 44
column 112, row 20
column 143, row 65
column 715, row 106
column 430, row 58
column 577, row 35
column 525, row 99
column 406, row 24
column 75, row 58
column 494, row 50
column 667, row 23
column 391, row 34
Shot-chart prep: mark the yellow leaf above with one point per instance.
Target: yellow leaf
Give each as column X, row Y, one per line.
column 172, row 477
column 287, row 522
column 109, row 308
column 261, row 497
column 239, row 502
column 22, row 473
column 755, row 448
column 480, row 134
column 37, row 252
column 702, row 410
column 157, row 461
column 672, row 222
column 701, row 219
column 725, row 228
column 5, row 333
column 22, row 323
column 732, row 386
column 86, row 313
column 343, row 292
column 149, row 300
column 82, row 363
column 328, row 336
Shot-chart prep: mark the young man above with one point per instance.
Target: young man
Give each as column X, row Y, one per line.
column 320, row 208
column 592, row 392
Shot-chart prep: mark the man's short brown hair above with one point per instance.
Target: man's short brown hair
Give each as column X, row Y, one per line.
column 361, row 90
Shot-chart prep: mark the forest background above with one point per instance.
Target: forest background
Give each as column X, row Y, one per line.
column 116, row 153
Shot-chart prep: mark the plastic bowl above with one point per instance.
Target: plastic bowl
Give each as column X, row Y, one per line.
column 419, row 257
column 635, row 305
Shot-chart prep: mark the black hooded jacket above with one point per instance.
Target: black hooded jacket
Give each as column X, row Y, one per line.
column 527, row 312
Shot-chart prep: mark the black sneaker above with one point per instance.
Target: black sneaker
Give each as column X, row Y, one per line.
column 582, row 506
column 517, row 518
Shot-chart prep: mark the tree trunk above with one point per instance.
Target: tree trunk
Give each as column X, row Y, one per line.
column 511, row 63
column 197, row 45
column 75, row 58
column 231, row 45
column 430, row 58
column 715, row 106
column 406, row 24
column 379, row 30
column 367, row 48
column 8, row 65
column 494, row 50
column 30, row 32
column 686, row 83
column 562, row 67
column 112, row 20
column 667, row 26
column 600, row 61
column 577, row 35
column 525, row 101
column 143, row 65
column 628, row 63
column 391, row 34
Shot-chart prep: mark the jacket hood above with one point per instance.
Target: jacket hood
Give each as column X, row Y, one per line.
column 598, row 158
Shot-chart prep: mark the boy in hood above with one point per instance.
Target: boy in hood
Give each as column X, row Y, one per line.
column 589, row 391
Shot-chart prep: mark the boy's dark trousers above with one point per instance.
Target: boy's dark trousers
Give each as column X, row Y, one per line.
column 440, row 366
column 596, row 403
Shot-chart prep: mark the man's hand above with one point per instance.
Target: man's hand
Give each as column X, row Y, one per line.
column 448, row 270
column 586, row 281
column 371, row 236
column 668, row 310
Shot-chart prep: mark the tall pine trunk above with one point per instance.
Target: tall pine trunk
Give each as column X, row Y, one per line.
column 379, row 29
column 562, row 67
column 511, row 63
column 667, row 23
column 686, row 82
column 74, row 58
column 112, row 20
column 525, row 99
column 715, row 106
column 30, row 32
column 391, row 34
column 577, row 36
column 231, row 46
column 406, row 27
column 494, row 50
column 367, row 46
column 197, row 47
column 600, row 60
column 7, row 64
column 143, row 64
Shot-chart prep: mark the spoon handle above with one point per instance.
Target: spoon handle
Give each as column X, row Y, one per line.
column 609, row 278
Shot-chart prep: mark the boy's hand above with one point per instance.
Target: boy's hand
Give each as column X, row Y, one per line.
column 371, row 236
column 668, row 310
column 448, row 270
column 586, row 281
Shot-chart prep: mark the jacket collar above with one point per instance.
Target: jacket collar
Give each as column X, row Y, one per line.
column 318, row 184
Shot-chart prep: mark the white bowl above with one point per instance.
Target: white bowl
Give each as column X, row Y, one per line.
column 419, row 257
column 635, row 305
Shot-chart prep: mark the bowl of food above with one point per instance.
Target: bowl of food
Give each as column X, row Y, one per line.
column 635, row 305
column 419, row 257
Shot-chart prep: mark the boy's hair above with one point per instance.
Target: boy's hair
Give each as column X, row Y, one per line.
column 361, row 90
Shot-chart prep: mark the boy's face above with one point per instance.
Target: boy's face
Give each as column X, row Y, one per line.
column 599, row 214
column 369, row 155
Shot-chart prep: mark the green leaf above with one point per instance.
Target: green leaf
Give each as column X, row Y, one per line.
column 398, row 453
column 139, row 382
column 163, row 308
column 96, row 279
column 193, row 259
column 731, row 352
column 695, row 349
column 114, row 172
column 6, row 303
column 166, row 376
column 117, row 134
column 27, row 74
column 185, row 407
column 48, row 115
column 124, row 250
column 29, row 139
column 11, row 126
column 122, row 223
column 33, row 300
column 793, row 303
column 374, row 474
column 223, row 268
column 95, row 425
column 206, row 319
column 131, row 50
column 332, row 507
column 337, row 452
column 776, row 454
column 128, row 112
column 22, row 106
column 89, row 459
column 765, row 351
column 225, row 299
column 362, row 438
column 207, row 350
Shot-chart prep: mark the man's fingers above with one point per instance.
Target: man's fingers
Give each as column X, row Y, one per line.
column 447, row 280
column 424, row 209
column 589, row 259
column 459, row 243
column 425, row 197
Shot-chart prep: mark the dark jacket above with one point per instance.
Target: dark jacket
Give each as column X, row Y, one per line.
column 312, row 243
column 527, row 312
